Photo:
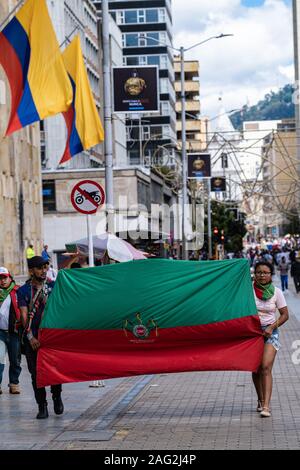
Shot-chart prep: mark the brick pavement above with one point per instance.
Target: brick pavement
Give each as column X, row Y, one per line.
column 200, row 410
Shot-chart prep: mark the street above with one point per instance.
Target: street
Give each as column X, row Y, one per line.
column 187, row 411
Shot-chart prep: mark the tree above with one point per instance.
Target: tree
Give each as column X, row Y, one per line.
column 222, row 218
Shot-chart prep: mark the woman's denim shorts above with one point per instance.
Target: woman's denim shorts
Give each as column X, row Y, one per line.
column 274, row 338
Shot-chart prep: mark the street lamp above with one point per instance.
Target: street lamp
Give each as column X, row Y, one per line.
column 182, row 51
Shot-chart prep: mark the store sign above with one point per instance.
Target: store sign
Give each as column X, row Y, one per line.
column 135, row 89
column 199, row 165
column 218, row 184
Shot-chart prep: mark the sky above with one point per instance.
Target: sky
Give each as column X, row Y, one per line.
column 243, row 68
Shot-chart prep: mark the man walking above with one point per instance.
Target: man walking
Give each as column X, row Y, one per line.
column 9, row 337
column 32, row 298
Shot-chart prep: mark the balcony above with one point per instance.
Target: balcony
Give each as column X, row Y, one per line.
column 192, row 106
column 191, row 125
column 190, row 86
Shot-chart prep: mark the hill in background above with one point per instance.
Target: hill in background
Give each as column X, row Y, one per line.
column 274, row 106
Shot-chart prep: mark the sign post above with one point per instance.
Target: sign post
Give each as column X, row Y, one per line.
column 87, row 197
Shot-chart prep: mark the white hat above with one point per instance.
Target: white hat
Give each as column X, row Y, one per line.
column 4, row 271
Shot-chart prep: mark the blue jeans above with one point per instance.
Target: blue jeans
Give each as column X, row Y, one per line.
column 11, row 342
column 284, row 281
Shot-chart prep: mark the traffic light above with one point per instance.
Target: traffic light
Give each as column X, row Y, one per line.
column 216, row 231
column 222, row 236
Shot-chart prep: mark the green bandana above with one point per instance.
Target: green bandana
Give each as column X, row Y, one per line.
column 5, row 292
column 264, row 291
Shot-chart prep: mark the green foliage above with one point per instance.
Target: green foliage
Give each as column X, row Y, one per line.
column 274, row 106
column 223, row 219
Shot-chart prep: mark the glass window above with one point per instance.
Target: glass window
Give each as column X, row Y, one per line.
column 131, row 40
column 164, row 108
column 146, row 132
column 130, row 16
column 141, row 16
column 120, row 17
column 164, row 61
column 162, row 15
column 143, row 60
column 154, row 36
column 49, row 202
column 166, row 132
column 152, row 16
column 164, row 86
column 153, row 60
column 132, row 61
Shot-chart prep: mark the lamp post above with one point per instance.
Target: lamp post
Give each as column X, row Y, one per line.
column 182, row 51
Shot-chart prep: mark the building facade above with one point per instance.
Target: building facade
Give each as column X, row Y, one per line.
column 195, row 127
column 20, row 183
column 280, row 178
column 146, row 27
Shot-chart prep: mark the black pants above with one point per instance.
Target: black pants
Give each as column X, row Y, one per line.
column 39, row 393
column 297, row 282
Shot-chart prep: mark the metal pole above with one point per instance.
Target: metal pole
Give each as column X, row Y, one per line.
column 108, row 142
column 296, row 19
column 10, row 13
column 209, row 219
column 141, row 143
column 183, row 155
column 90, row 239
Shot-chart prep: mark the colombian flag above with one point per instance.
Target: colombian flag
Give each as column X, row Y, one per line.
column 82, row 119
column 149, row 317
column 30, row 56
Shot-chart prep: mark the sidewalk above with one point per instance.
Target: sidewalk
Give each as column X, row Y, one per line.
column 200, row 410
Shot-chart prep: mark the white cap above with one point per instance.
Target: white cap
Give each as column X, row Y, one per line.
column 4, row 271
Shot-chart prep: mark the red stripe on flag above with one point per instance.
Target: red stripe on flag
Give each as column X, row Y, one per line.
column 69, row 117
column 14, row 72
column 83, row 355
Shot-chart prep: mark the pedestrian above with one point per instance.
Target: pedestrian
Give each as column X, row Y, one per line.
column 30, row 253
column 295, row 272
column 51, row 273
column 283, row 267
column 32, row 298
column 9, row 336
column 268, row 299
column 45, row 253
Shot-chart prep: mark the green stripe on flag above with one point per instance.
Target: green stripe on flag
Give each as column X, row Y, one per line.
column 171, row 293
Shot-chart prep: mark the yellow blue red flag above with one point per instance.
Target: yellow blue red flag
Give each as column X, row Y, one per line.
column 30, row 56
column 82, row 119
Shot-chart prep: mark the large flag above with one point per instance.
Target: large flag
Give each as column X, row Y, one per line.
column 82, row 119
column 30, row 56
column 149, row 317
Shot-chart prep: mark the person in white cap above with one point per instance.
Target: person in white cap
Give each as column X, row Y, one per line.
column 9, row 324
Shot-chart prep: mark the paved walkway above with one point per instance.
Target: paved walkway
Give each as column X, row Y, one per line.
column 200, row 410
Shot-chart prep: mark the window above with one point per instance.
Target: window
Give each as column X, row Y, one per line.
column 153, row 60
column 164, row 85
column 152, row 16
column 143, row 60
column 224, row 158
column 150, row 37
column 164, row 61
column 146, row 132
column 130, row 16
column 49, row 202
column 162, row 15
column 131, row 40
column 120, row 17
column 164, row 108
column 132, row 61
column 141, row 16
column 165, row 132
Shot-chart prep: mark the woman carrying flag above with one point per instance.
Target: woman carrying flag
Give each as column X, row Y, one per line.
column 268, row 299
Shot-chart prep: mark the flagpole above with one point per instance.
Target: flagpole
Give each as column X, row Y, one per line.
column 68, row 37
column 108, row 140
column 11, row 12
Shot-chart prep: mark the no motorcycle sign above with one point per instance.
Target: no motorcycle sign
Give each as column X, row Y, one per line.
column 87, row 196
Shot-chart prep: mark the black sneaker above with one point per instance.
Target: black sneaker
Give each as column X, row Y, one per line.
column 58, row 405
column 43, row 411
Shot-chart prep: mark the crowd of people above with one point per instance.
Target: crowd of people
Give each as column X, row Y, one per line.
column 21, row 311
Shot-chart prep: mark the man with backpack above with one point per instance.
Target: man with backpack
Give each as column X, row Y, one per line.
column 32, row 298
column 9, row 336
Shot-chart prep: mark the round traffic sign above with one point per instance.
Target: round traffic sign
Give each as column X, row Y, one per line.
column 87, row 196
